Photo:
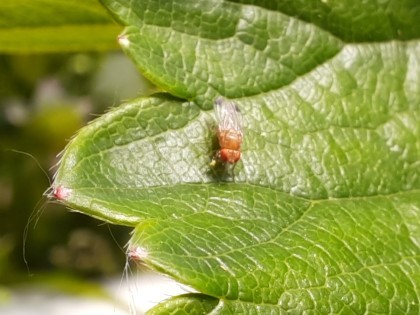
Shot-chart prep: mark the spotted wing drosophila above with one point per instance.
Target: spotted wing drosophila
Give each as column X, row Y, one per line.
column 229, row 131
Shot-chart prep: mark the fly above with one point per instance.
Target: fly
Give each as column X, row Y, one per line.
column 229, row 131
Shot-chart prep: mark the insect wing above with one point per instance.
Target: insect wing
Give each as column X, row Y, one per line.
column 228, row 115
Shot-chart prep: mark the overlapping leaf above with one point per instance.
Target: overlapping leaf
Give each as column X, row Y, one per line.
column 323, row 214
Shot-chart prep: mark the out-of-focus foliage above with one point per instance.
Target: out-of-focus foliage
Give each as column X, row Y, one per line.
column 44, row 100
column 28, row 26
column 58, row 70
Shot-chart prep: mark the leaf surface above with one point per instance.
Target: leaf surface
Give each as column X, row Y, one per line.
column 322, row 216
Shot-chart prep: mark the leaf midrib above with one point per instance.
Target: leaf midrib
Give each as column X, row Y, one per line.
column 312, row 201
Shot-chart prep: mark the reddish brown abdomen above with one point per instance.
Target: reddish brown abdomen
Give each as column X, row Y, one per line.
column 230, row 139
column 230, row 156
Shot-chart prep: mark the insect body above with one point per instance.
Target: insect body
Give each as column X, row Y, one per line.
column 229, row 131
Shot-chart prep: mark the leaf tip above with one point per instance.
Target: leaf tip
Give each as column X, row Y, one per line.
column 123, row 41
column 61, row 193
column 136, row 253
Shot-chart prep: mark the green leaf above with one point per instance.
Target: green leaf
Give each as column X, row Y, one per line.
column 322, row 216
column 28, row 26
column 187, row 304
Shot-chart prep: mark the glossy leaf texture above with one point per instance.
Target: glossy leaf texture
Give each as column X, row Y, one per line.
column 322, row 214
column 46, row 26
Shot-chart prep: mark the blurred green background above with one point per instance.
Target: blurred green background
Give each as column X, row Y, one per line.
column 44, row 100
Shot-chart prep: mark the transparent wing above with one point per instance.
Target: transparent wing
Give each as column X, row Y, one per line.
column 228, row 115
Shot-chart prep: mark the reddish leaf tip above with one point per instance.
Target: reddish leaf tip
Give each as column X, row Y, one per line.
column 61, row 193
column 136, row 253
